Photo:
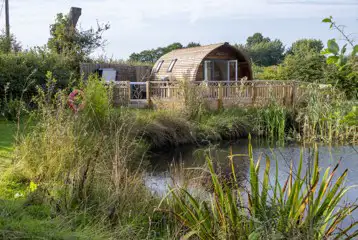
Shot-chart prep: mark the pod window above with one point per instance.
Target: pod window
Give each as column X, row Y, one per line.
column 159, row 66
column 172, row 63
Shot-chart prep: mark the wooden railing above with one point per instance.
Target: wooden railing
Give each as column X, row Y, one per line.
column 257, row 92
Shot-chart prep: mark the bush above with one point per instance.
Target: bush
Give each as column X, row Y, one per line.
column 270, row 73
column 25, row 70
column 97, row 98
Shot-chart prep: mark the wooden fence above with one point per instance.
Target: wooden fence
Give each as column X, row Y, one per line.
column 226, row 93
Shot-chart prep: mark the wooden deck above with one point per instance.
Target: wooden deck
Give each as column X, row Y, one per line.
column 215, row 93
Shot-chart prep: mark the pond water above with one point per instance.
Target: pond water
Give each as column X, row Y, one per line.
column 165, row 164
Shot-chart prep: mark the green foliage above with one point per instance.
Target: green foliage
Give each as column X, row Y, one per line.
column 13, row 109
column 20, row 73
column 304, row 65
column 270, row 73
column 15, row 46
column 272, row 121
column 304, row 204
column 263, row 51
column 303, row 62
column 193, row 44
column 152, row 55
column 226, row 124
column 21, row 221
column 267, row 53
column 305, row 207
column 304, row 45
column 163, row 129
column 91, row 163
column 344, row 78
column 97, row 98
column 352, row 117
column 66, row 39
column 320, row 114
column 346, row 71
column 256, row 39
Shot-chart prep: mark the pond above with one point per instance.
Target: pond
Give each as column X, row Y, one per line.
column 165, row 163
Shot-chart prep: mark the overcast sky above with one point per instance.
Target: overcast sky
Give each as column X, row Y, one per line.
column 142, row 24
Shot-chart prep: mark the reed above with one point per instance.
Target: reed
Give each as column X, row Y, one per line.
column 306, row 206
column 326, row 115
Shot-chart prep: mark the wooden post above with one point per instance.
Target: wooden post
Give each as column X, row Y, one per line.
column 253, row 94
column 293, row 94
column 129, row 91
column 168, row 93
column 7, row 26
column 220, row 96
column 149, row 101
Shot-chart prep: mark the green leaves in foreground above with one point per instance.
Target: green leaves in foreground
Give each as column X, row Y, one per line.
column 304, row 207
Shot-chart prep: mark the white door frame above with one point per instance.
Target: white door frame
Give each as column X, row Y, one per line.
column 206, row 70
column 228, row 69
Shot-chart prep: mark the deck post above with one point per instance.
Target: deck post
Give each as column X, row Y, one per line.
column 253, row 94
column 220, row 96
column 168, row 91
column 284, row 97
column 293, row 94
column 149, row 101
column 129, row 91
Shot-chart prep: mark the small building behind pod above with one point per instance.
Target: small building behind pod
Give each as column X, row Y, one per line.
column 116, row 72
column 216, row 62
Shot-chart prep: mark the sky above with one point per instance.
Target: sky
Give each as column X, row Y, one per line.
column 137, row 25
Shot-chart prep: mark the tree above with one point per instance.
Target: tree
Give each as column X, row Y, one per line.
column 315, row 45
column 151, row 56
column 66, row 39
column 193, row 44
column 305, row 65
column 4, row 43
column 267, row 53
column 256, row 39
column 172, row 47
column 263, row 51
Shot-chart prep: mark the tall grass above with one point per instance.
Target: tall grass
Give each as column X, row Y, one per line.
column 326, row 115
column 90, row 162
column 272, row 121
column 306, row 206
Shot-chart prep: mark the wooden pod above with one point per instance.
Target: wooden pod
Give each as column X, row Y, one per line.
column 216, row 62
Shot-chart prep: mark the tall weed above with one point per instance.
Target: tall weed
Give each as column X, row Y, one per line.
column 90, row 161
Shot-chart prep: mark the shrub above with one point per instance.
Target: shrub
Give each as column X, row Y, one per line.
column 270, row 73
column 97, row 98
column 20, row 69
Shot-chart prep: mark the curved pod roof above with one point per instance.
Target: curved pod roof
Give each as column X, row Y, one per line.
column 188, row 61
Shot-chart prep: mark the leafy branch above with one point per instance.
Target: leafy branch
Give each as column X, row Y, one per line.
column 337, row 54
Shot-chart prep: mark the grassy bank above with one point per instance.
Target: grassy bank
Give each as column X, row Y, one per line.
column 7, row 133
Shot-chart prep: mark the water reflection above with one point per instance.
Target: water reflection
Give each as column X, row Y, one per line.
column 192, row 157
column 164, row 164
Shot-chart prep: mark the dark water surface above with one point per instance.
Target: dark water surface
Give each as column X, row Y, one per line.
column 191, row 157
